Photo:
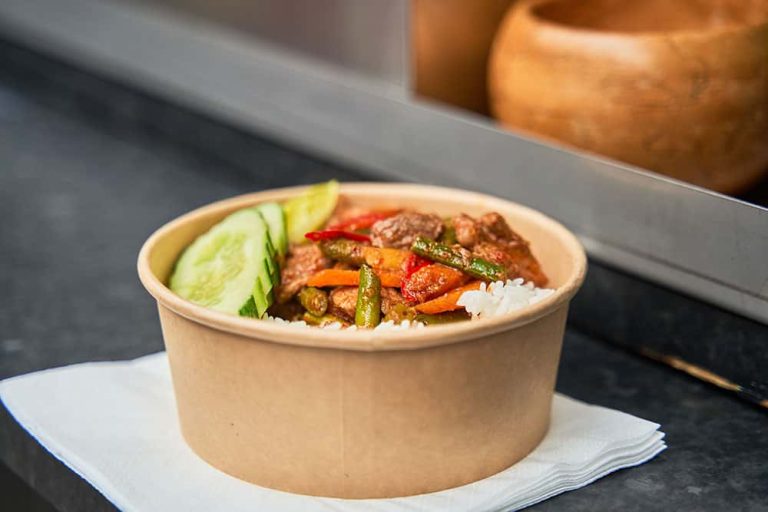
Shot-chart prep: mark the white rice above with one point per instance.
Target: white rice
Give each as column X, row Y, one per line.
column 500, row 298
column 390, row 325
column 496, row 299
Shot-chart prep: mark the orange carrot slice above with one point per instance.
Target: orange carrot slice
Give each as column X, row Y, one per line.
column 337, row 277
column 447, row 301
column 385, row 258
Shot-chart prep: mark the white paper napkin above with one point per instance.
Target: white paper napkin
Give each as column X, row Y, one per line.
column 115, row 425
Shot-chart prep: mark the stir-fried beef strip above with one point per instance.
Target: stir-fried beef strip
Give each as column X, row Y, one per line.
column 492, row 239
column 401, row 230
column 467, row 230
column 342, row 302
column 302, row 262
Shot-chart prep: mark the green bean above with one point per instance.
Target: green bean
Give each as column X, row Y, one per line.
column 442, row 318
column 314, row 300
column 368, row 309
column 475, row 267
column 399, row 312
column 449, row 234
column 484, row 269
column 343, row 250
column 322, row 319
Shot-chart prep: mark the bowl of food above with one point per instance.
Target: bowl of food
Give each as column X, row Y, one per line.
column 363, row 340
column 677, row 87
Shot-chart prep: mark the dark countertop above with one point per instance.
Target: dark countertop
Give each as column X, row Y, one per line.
column 79, row 192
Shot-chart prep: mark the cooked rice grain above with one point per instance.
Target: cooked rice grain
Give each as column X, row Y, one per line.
column 500, row 298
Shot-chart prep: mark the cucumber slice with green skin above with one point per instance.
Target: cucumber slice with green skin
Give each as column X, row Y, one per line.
column 274, row 216
column 274, row 268
column 265, row 277
column 261, row 299
column 249, row 309
column 225, row 268
column 256, row 308
column 310, row 211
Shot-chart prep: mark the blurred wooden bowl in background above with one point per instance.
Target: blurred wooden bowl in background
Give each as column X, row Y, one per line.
column 679, row 87
column 450, row 42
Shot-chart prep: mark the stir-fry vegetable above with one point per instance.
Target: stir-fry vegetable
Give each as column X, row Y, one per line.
column 413, row 263
column 449, row 235
column 447, row 301
column 345, row 251
column 442, row 318
column 380, row 258
column 432, row 281
column 399, row 312
column 314, row 300
column 385, row 258
column 338, row 277
column 475, row 267
column 364, row 221
column 332, row 234
column 368, row 310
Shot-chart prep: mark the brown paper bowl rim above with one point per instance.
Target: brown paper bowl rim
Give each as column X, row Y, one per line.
column 366, row 340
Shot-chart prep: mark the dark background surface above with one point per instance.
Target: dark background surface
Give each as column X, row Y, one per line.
column 88, row 169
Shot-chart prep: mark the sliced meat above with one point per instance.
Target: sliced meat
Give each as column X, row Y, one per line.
column 342, row 301
column 495, row 229
column 516, row 258
column 432, row 281
column 402, row 229
column 491, row 227
column 492, row 239
column 390, row 298
column 302, row 262
column 467, row 230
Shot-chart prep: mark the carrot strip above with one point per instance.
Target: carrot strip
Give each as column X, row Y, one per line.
column 337, row 277
column 447, row 301
column 385, row 258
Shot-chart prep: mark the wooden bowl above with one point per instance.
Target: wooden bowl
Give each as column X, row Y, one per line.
column 679, row 87
column 364, row 414
column 450, row 43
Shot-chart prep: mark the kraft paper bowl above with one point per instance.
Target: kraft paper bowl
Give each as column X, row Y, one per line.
column 365, row 414
column 679, row 87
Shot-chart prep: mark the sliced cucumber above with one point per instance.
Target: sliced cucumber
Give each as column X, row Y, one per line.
column 262, row 299
column 275, row 218
column 265, row 276
column 226, row 268
column 272, row 262
column 249, row 309
column 309, row 211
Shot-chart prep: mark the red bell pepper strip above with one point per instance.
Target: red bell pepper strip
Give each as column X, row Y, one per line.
column 330, row 234
column 413, row 263
column 364, row 221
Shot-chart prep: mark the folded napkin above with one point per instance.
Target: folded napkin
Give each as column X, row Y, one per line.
column 115, row 425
